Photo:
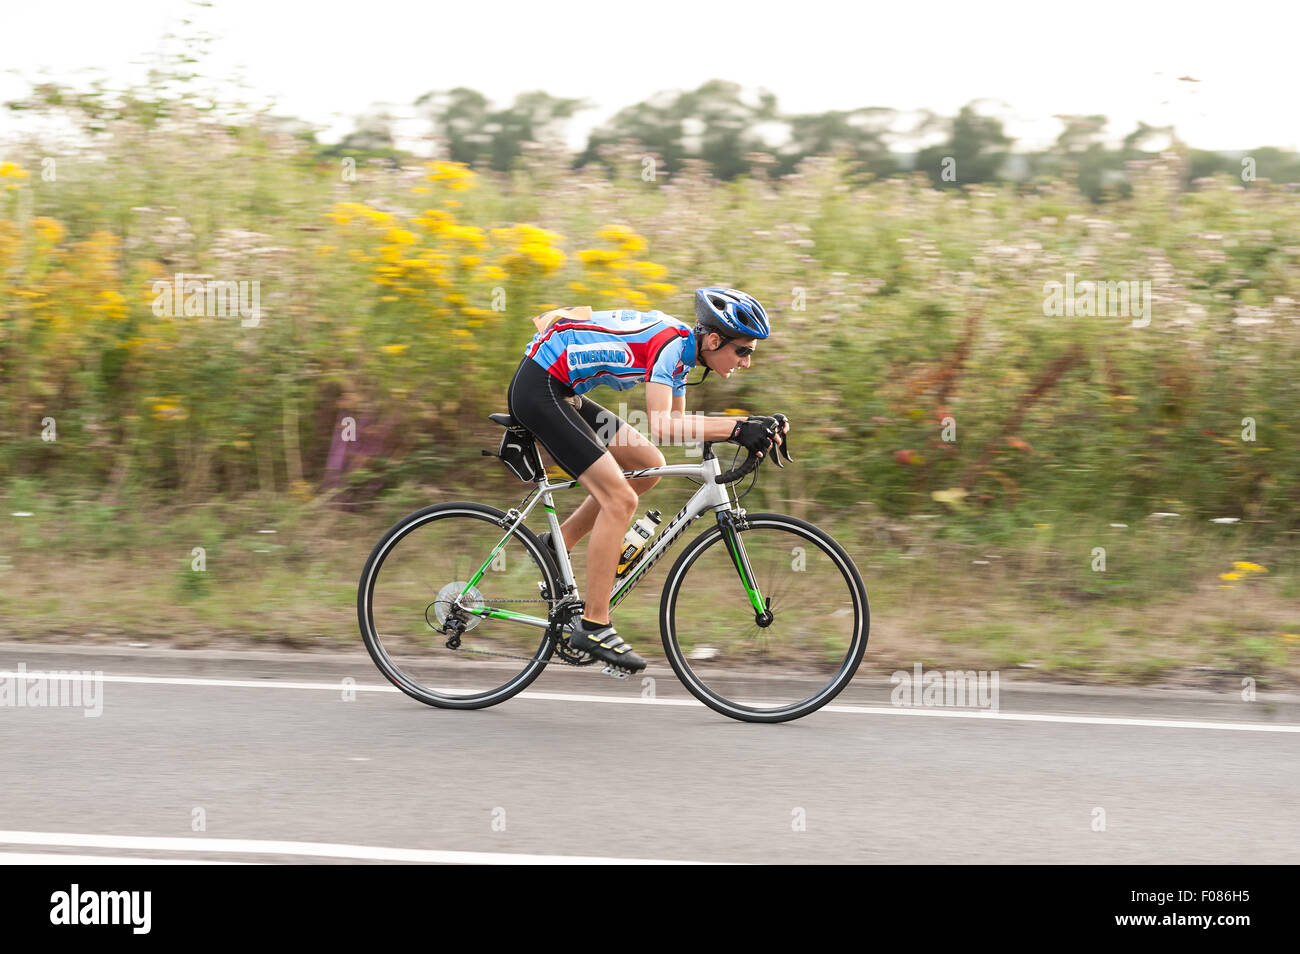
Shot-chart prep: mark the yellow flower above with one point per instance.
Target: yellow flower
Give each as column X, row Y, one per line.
column 455, row 174
column 597, row 256
column 659, row 288
column 623, row 236
column 49, row 230
column 1231, row 576
column 650, row 270
column 164, row 411
column 401, row 236
column 435, row 220
column 1249, row 567
column 395, row 348
column 11, row 170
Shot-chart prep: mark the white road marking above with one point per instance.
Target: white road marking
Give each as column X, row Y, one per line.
column 310, row 849
column 641, row 700
column 18, row 858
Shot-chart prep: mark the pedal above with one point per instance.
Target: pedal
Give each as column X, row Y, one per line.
column 616, row 672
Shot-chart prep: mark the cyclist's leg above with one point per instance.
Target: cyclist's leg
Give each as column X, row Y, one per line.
column 630, row 449
column 543, row 404
column 617, row 501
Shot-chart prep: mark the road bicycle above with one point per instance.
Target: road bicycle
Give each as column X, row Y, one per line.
column 763, row 617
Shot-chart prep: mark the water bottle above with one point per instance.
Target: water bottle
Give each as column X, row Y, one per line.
column 635, row 541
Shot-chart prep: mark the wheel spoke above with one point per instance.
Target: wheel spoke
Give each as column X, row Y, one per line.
column 410, row 588
column 806, row 654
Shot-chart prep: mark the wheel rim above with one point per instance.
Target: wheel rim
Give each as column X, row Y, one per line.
column 807, row 653
column 403, row 598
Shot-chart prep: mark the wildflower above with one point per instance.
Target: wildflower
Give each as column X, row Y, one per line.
column 455, row 175
column 623, row 236
column 1249, row 567
column 394, row 348
column 1231, row 576
column 48, row 230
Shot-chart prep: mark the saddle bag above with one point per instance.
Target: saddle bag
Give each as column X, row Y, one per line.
column 519, row 454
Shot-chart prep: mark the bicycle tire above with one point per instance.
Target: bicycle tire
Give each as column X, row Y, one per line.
column 704, row 681
column 402, row 675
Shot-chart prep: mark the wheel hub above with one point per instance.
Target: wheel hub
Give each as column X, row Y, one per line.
column 449, row 601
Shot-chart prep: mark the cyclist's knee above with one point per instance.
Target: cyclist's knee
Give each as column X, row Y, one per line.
column 624, row 502
column 604, row 480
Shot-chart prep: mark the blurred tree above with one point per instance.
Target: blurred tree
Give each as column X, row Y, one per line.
column 1080, row 154
column 713, row 123
column 371, row 138
column 862, row 134
column 474, row 132
column 976, row 144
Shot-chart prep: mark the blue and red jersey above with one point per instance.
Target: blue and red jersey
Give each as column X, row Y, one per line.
column 618, row 349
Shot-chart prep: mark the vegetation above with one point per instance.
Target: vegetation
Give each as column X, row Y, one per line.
column 944, row 419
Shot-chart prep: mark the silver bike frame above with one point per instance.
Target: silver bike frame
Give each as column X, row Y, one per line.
column 711, row 496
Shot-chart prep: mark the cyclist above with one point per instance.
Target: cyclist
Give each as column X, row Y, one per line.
column 576, row 349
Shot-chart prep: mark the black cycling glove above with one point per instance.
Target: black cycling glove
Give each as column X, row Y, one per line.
column 754, row 433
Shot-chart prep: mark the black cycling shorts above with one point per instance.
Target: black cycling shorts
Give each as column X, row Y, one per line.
column 573, row 428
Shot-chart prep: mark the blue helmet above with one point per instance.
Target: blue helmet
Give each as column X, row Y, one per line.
column 731, row 313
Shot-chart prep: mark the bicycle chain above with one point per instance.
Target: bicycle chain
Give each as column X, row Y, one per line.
column 544, row 662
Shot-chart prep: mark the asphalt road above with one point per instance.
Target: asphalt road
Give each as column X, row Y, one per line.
column 263, row 758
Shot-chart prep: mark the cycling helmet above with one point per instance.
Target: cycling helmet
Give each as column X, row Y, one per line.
column 731, row 313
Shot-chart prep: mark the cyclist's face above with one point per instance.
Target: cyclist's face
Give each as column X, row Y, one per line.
column 727, row 356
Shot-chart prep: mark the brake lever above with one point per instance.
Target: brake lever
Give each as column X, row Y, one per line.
column 783, row 447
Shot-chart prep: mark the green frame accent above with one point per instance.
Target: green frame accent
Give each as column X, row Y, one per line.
column 741, row 560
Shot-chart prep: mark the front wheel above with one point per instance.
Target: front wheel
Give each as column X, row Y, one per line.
column 765, row 622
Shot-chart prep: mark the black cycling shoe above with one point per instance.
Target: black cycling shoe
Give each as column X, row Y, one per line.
column 602, row 641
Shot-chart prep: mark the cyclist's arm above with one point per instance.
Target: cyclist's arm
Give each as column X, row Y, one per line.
column 670, row 424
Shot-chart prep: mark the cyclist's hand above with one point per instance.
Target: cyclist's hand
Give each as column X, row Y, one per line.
column 755, row 433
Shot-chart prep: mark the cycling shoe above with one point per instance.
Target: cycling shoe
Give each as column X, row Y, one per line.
column 602, row 641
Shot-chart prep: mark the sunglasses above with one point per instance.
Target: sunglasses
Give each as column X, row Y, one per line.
column 743, row 351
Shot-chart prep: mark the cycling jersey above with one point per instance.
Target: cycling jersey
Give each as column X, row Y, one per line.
column 618, row 349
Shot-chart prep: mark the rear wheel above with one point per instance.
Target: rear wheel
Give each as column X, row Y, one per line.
column 780, row 664
column 418, row 593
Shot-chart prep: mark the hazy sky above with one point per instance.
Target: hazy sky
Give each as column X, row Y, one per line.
column 328, row 62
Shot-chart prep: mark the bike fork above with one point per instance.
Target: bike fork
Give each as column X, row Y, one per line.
column 728, row 524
